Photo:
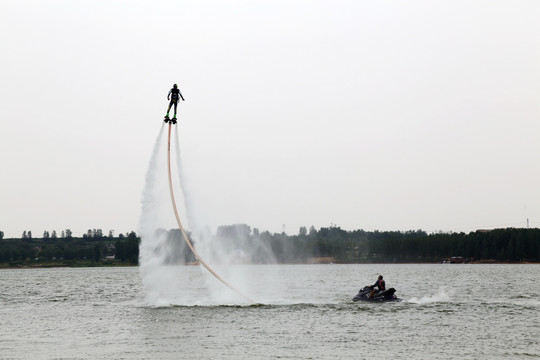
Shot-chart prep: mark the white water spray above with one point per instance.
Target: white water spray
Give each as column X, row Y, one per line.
column 228, row 260
column 193, row 215
column 160, row 250
column 182, row 230
column 160, row 280
column 442, row 295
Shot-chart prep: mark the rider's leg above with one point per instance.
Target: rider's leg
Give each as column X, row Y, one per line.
column 175, row 106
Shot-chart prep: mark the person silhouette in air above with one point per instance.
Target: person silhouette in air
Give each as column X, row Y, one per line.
column 174, row 95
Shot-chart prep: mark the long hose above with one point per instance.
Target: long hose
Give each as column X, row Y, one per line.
column 201, row 261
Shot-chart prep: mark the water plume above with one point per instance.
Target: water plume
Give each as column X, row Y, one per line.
column 162, row 251
column 227, row 251
column 160, row 282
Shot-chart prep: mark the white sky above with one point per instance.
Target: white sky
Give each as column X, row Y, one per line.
column 380, row 115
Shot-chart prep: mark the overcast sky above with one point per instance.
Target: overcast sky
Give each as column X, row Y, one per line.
column 375, row 115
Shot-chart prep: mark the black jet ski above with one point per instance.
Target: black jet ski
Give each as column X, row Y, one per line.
column 386, row 295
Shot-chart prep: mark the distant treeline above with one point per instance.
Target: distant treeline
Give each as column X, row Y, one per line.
column 361, row 246
column 242, row 244
column 93, row 248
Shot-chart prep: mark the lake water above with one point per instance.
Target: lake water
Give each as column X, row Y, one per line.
column 304, row 312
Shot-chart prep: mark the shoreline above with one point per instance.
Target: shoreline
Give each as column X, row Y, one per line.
column 87, row 265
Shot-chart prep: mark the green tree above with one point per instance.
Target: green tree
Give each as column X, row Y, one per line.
column 98, row 251
column 312, row 232
column 520, row 248
column 132, row 248
column 47, row 251
column 120, row 250
column 510, row 250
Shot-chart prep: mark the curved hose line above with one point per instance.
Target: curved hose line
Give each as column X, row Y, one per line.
column 203, row 263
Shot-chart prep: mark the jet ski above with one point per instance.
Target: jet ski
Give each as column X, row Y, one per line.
column 386, row 295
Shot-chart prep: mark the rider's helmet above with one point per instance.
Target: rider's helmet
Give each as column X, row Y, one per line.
column 175, row 86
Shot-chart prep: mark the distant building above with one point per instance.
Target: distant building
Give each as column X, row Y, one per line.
column 457, row 259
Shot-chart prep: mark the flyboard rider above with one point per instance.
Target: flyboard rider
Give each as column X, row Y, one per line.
column 174, row 95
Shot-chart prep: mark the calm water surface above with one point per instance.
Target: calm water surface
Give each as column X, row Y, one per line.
column 447, row 312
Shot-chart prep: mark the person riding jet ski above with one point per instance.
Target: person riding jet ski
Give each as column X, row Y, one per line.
column 378, row 284
column 370, row 293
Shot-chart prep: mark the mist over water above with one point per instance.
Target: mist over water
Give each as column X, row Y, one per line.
column 158, row 251
column 153, row 245
column 163, row 249
column 194, row 221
